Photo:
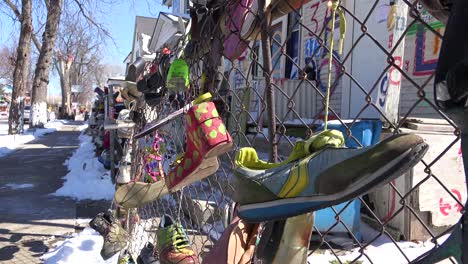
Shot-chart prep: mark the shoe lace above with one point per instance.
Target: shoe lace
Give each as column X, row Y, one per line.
column 124, row 260
column 180, row 242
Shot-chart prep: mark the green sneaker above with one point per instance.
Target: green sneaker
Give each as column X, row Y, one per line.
column 126, row 258
column 178, row 76
column 326, row 177
column 173, row 246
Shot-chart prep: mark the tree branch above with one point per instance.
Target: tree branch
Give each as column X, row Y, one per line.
column 14, row 9
column 20, row 18
column 47, row 3
column 89, row 19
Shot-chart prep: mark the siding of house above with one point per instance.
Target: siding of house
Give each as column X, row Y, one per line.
column 421, row 53
column 316, row 18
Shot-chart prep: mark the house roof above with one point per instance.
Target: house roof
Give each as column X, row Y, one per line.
column 145, row 25
column 167, row 27
column 127, row 59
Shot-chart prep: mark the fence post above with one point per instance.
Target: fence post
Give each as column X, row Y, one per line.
column 269, row 90
column 389, row 98
column 110, row 116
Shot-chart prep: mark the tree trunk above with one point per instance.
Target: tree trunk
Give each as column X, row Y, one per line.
column 41, row 75
column 63, row 68
column 20, row 75
column 66, row 89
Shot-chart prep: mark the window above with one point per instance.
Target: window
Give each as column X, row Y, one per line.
column 187, row 6
column 257, row 60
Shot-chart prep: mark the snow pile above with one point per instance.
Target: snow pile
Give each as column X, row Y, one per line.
column 83, row 247
column 55, row 124
column 15, row 186
column 8, row 143
column 83, row 127
column 87, row 178
column 379, row 251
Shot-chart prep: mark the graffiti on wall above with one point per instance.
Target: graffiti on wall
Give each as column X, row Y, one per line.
column 426, row 51
column 317, row 18
column 423, row 46
column 447, row 208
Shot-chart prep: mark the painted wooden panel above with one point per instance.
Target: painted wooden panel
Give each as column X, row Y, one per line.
column 421, row 54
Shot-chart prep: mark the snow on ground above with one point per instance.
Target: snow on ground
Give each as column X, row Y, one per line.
column 15, row 186
column 8, row 143
column 87, row 178
column 380, row 251
column 83, row 127
column 83, row 247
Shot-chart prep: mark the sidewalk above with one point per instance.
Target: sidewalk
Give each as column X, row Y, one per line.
column 30, row 219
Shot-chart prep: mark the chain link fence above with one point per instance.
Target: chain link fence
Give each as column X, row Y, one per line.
column 273, row 93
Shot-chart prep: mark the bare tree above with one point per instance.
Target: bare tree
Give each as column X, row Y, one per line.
column 81, row 8
column 7, row 67
column 41, row 75
column 77, row 57
column 20, row 74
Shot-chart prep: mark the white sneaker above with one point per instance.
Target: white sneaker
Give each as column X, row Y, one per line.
column 124, row 173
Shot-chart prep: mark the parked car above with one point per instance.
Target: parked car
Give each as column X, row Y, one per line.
column 27, row 112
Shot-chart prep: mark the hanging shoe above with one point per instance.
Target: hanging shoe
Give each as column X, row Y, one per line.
column 451, row 96
column 125, row 166
column 207, row 138
column 178, row 76
column 138, row 194
column 173, row 246
column 286, row 241
column 439, row 9
column 126, row 258
column 115, row 237
column 153, row 88
column 135, row 69
column 104, row 159
column 242, row 23
column 114, row 241
column 153, row 159
column 124, row 174
column 236, row 18
column 234, row 244
column 148, row 255
column 324, row 178
column 124, row 124
column 101, row 222
column 451, row 76
column 129, row 91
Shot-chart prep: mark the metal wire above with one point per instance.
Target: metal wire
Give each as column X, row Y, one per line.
column 241, row 94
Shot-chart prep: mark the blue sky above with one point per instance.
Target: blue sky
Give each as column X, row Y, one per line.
column 121, row 23
column 119, row 20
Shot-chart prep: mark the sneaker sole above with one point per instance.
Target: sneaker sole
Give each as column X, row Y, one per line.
column 138, row 194
column 208, row 167
column 288, row 207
